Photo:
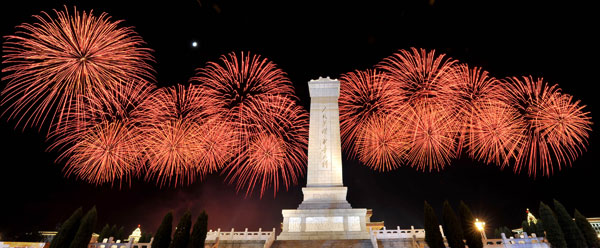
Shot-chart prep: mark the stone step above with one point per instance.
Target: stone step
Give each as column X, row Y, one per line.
column 343, row 243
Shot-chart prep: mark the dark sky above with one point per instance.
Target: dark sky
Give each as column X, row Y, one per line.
column 308, row 39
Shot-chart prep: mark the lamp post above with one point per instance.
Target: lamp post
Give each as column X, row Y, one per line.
column 480, row 225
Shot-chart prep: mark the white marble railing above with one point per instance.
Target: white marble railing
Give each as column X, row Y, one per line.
column 399, row 233
column 111, row 244
column 244, row 235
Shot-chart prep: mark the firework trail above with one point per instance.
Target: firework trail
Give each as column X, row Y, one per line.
column 54, row 62
column 363, row 95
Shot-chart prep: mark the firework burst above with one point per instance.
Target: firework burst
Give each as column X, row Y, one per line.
column 421, row 76
column 54, row 62
column 556, row 127
column 383, row 143
column 276, row 150
column 431, row 131
column 363, row 95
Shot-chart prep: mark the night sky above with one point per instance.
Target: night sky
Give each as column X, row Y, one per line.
column 308, row 39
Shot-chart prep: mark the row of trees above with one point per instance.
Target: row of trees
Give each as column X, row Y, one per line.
column 77, row 230
column 184, row 235
column 559, row 228
column 562, row 231
column 458, row 229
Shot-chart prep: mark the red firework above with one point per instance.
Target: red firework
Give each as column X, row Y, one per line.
column 431, row 130
column 108, row 152
column 363, row 95
column 383, row 143
column 102, row 137
column 193, row 140
column 421, row 76
column 475, row 88
column 495, row 133
column 171, row 149
column 52, row 63
column 556, row 127
column 277, row 145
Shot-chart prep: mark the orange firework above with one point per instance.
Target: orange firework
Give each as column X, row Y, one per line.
column 556, row 127
column 277, row 145
column 171, row 149
column 102, row 137
column 431, row 131
column 495, row 133
column 421, row 76
column 383, row 143
column 474, row 88
column 184, row 134
column 51, row 64
column 108, row 152
column 363, row 95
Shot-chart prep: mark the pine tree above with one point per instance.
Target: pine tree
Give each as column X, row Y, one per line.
column 526, row 227
column 104, row 233
column 506, row 232
column 433, row 237
column 539, row 227
column 67, row 230
column 472, row 235
column 86, row 228
column 181, row 237
column 573, row 235
column 452, row 228
column 199, row 233
column 591, row 238
column 554, row 233
column 113, row 232
column 145, row 238
column 162, row 238
column 120, row 235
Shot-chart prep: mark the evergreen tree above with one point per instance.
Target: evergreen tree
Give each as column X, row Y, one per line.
column 526, row 227
column 145, row 238
column 199, row 233
column 162, row 238
column 539, row 227
column 113, row 232
column 86, row 228
column 67, row 230
column 591, row 238
column 506, row 232
column 181, row 237
column 554, row 233
column 472, row 235
column 104, row 233
column 452, row 228
column 573, row 235
column 433, row 237
column 120, row 235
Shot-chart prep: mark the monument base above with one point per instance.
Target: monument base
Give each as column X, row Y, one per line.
column 324, row 224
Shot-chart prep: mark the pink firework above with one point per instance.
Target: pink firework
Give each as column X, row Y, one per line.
column 364, row 95
column 51, row 64
column 276, row 150
column 431, row 130
column 383, row 143
column 421, row 76
column 556, row 127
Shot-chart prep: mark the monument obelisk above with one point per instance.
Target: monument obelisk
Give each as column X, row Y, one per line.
column 324, row 213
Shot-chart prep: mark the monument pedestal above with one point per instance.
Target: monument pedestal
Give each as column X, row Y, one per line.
column 324, row 214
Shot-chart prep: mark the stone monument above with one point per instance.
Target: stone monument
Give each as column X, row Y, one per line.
column 324, row 214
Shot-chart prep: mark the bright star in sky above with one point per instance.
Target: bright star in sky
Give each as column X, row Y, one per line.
column 194, row 44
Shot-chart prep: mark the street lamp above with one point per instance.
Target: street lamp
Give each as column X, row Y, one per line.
column 480, row 225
